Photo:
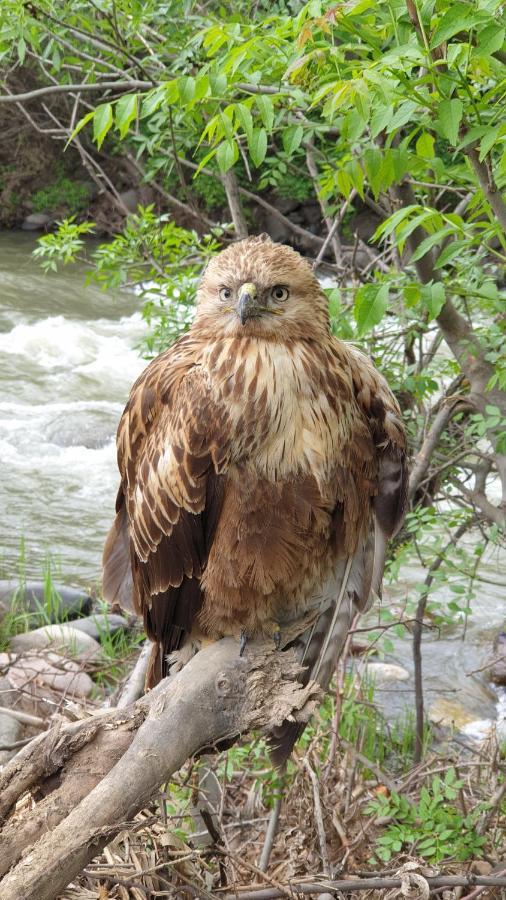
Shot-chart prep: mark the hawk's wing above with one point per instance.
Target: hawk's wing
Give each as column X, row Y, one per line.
column 356, row 580
column 172, row 447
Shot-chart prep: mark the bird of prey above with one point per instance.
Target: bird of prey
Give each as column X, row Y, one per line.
column 262, row 468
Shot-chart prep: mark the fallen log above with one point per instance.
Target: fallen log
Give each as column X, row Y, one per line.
column 100, row 772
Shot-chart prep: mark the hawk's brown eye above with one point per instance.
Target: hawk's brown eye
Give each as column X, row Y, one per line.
column 225, row 293
column 279, row 293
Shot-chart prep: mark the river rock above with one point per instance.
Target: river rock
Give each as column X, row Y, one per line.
column 452, row 714
column 100, row 624
column 52, row 669
column 37, row 222
column 73, row 601
column 75, row 643
column 381, row 672
column 10, row 729
column 84, row 428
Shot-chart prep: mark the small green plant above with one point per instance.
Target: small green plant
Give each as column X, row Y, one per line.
column 73, row 196
column 433, row 828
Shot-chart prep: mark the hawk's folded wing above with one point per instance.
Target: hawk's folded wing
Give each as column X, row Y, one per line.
column 172, row 450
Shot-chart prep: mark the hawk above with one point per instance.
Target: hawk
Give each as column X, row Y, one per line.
column 262, row 468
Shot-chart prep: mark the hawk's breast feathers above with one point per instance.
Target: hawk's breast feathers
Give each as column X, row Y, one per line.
column 261, row 464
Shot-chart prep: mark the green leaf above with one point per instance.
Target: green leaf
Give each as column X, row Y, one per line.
column 21, row 50
column 226, row 155
column 449, row 118
column 218, row 83
column 186, row 87
column 490, row 39
column 245, row 119
column 371, row 303
column 434, row 299
column 102, row 121
column 126, row 112
column 430, row 242
column 448, row 253
column 258, row 146
column 381, row 119
column 292, row 138
column 487, row 142
column 425, row 146
column 460, row 17
column 265, row 107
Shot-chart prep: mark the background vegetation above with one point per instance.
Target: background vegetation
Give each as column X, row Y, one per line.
column 371, row 136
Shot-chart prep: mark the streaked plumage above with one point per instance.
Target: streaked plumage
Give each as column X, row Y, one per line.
column 262, row 470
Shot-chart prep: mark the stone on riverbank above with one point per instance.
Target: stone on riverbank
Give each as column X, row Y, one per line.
column 59, row 673
column 69, row 603
column 100, row 625
column 73, row 642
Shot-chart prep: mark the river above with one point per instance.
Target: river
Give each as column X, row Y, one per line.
column 68, row 358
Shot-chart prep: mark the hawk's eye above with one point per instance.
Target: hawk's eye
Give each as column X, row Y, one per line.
column 225, row 293
column 279, row 293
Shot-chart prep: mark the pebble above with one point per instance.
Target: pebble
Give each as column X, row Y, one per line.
column 50, row 668
column 36, row 222
column 98, row 625
column 451, row 714
column 386, row 672
column 62, row 637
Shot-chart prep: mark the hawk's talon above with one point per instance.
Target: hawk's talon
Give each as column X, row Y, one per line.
column 242, row 642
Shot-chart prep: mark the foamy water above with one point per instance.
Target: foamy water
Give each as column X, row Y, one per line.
column 64, row 378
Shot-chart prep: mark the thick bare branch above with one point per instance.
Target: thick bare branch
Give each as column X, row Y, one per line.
column 217, row 696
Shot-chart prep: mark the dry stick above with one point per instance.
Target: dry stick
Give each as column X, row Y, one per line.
column 231, row 186
column 23, row 717
column 318, row 814
column 480, row 890
column 365, row 884
column 72, row 88
column 332, row 232
column 216, row 696
column 337, row 221
column 441, row 419
column 134, row 685
column 270, row 835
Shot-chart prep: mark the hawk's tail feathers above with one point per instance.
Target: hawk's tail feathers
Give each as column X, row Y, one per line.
column 320, row 647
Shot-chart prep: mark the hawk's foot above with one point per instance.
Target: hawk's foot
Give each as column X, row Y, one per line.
column 274, row 631
column 243, row 640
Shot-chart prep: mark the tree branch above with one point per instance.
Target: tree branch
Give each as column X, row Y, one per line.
column 490, row 190
column 70, row 88
column 216, row 697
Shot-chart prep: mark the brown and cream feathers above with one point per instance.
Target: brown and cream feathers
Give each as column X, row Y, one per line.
column 262, row 469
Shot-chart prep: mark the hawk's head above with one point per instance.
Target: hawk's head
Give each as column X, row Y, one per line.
column 258, row 288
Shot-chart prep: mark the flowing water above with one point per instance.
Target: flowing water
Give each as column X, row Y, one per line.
column 67, row 360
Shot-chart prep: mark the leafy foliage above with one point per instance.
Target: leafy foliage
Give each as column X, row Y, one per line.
column 433, row 828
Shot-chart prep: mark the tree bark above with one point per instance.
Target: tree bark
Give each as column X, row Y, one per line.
column 216, row 697
column 234, row 204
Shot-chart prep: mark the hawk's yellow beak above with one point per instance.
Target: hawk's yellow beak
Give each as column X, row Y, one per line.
column 247, row 302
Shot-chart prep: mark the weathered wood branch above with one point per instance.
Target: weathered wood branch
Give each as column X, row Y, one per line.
column 100, row 772
column 356, row 885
